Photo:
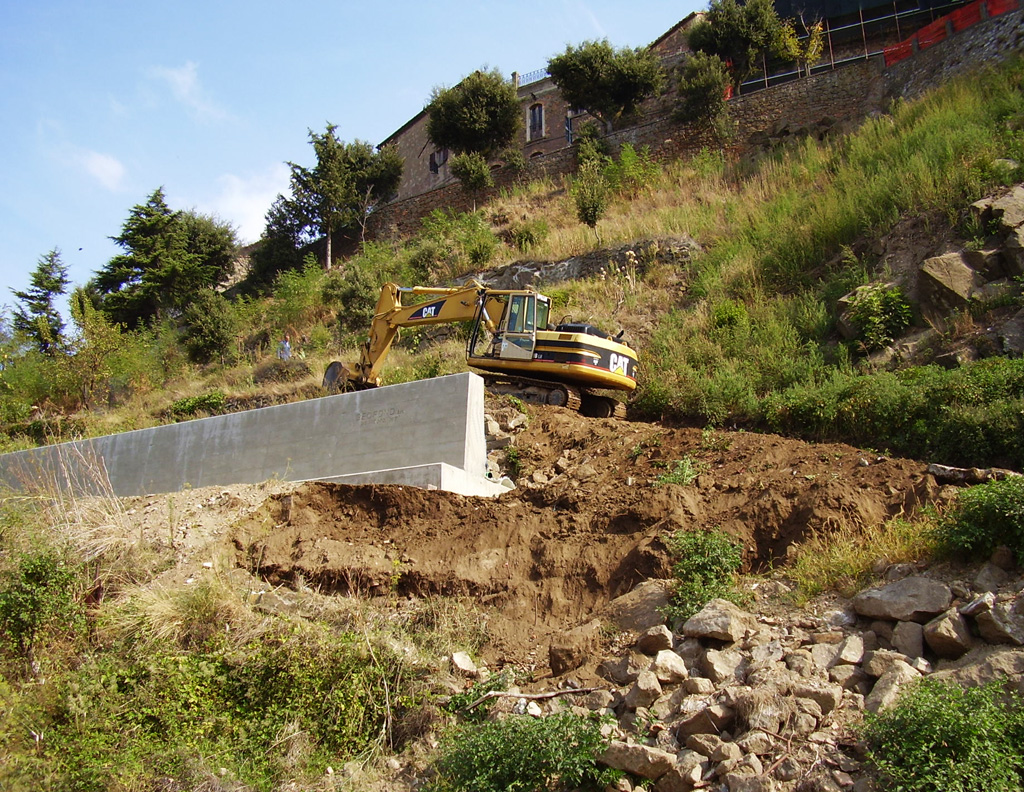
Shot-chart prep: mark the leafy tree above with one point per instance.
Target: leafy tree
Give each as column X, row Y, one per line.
column 480, row 115
column 169, row 257
column 338, row 192
column 702, row 90
column 472, row 172
column 610, row 83
column 740, row 33
column 37, row 317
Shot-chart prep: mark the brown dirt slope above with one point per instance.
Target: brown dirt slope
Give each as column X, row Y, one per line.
column 585, row 525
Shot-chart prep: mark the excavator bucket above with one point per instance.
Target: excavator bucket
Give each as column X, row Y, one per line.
column 338, row 378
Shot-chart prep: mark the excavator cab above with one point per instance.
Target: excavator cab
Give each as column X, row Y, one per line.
column 517, row 336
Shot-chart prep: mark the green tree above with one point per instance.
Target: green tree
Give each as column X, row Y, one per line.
column 168, row 258
column 339, row 191
column 740, row 34
column 280, row 246
column 609, row 83
column 37, row 316
column 702, row 89
column 480, row 115
column 472, row 172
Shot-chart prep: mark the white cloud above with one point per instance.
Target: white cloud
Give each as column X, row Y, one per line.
column 186, row 88
column 243, row 201
column 105, row 169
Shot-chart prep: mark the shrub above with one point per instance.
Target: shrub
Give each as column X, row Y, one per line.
column 37, row 593
column 984, row 517
column 705, row 569
column 633, row 171
column 452, row 242
column 880, row 313
column 523, row 753
column 590, row 194
column 212, row 402
column 210, row 328
column 528, row 234
column 944, row 738
column 353, row 295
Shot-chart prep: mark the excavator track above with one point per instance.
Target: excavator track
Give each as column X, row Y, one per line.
column 535, row 391
column 594, row 405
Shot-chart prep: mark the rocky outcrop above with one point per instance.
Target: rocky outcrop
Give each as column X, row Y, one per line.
column 738, row 701
column 953, row 281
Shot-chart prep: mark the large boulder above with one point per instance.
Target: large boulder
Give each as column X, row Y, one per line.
column 640, row 760
column 641, row 608
column 914, row 598
column 947, row 284
column 721, row 620
column 1009, row 209
column 985, row 664
column 947, row 635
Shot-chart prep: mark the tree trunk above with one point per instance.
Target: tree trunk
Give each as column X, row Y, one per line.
column 327, row 255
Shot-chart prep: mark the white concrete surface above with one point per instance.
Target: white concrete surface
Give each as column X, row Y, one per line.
column 384, row 430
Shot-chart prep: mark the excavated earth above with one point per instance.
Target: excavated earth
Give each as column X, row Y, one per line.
column 586, row 523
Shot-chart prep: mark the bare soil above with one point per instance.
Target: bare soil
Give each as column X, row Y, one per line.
column 585, row 525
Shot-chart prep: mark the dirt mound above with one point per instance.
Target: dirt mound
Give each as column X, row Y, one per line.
column 585, row 525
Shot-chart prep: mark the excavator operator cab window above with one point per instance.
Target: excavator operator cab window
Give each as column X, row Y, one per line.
column 518, row 340
column 543, row 309
column 520, row 314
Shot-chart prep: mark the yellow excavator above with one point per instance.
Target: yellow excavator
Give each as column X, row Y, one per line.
column 511, row 340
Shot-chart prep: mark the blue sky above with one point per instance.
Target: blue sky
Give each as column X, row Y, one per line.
column 101, row 102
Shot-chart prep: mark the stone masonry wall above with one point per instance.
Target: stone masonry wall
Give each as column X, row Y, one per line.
column 848, row 94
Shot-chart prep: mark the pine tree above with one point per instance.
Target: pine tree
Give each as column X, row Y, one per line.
column 37, row 317
column 168, row 258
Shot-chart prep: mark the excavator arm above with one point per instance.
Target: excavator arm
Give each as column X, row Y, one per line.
column 450, row 305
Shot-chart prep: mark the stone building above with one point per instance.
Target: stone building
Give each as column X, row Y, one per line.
column 857, row 33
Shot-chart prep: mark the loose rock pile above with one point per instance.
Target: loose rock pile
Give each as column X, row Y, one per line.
column 745, row 703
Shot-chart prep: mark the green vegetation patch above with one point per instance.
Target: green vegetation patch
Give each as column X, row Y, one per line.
column 940, row 737
column 984, row 517
column 705, row 569
column 523, row 754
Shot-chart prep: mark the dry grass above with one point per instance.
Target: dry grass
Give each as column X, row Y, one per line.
column 844, row 559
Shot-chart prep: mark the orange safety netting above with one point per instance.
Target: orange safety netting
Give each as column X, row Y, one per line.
column 964, row 17
column 898, row 52
column 997, row 7
column 931, row 34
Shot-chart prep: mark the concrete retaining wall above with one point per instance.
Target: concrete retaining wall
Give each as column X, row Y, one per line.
column 384, row 431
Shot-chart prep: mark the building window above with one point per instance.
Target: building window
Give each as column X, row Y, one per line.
column 437, row 159
column 536, row 121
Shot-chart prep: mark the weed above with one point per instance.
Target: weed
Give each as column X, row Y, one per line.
column 38, row 593
column 705, row 569
column 712, row 440
column 840, row 557
column 684, row 472
column 212, row 403
column 513, row 462
column 940, row 737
